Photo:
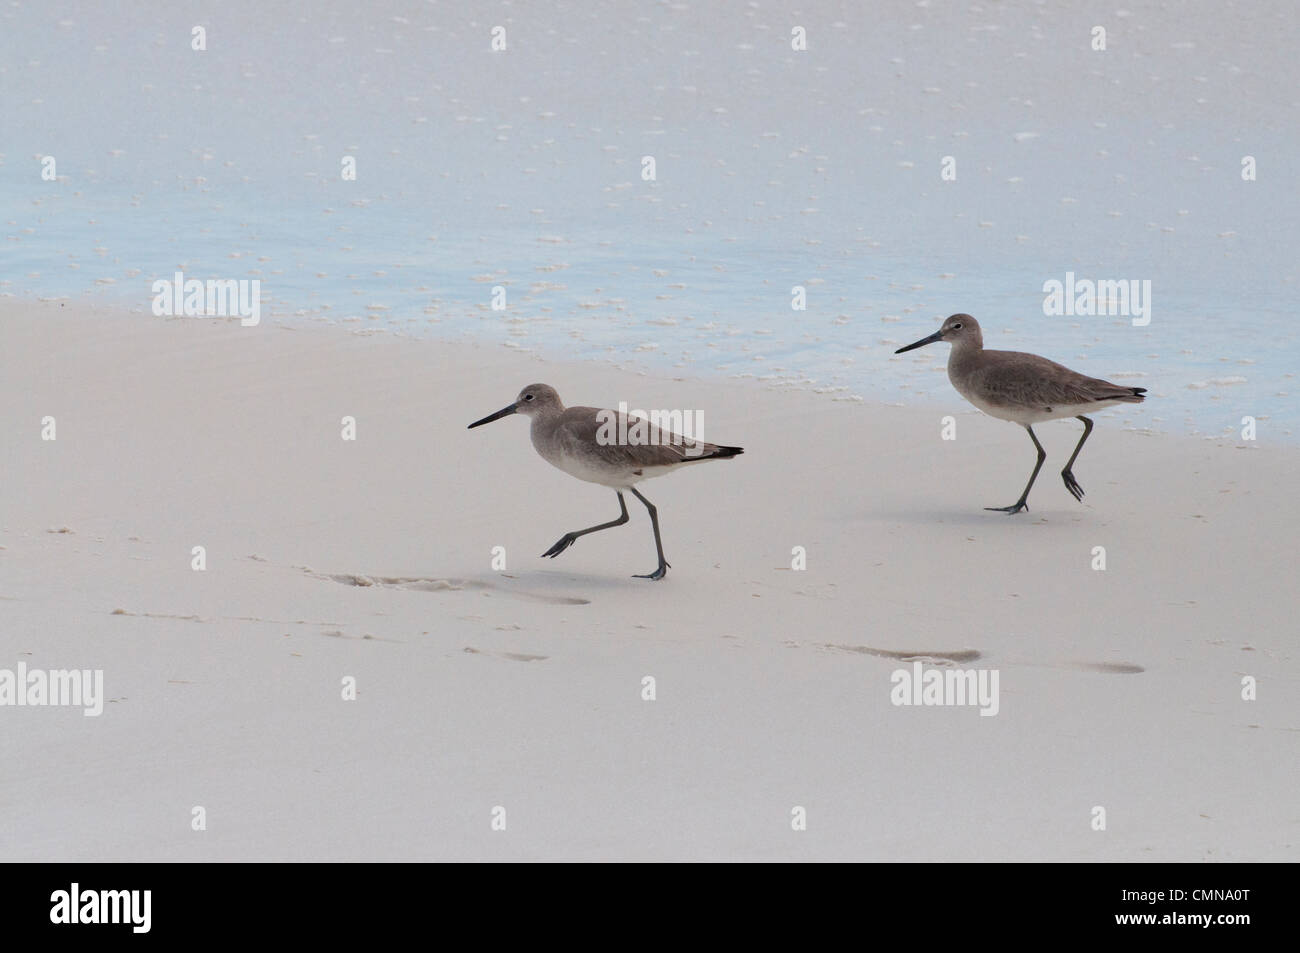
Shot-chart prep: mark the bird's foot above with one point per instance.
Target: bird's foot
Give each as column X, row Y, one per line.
column 1013, row 509
column 657, row 574
column 563, row 543
column 1072, row 485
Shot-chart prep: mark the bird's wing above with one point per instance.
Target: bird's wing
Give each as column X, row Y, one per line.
column 1011, row 377
column 592, row 431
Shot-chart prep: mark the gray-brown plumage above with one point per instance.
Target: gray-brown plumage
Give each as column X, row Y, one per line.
column 571, row 440
column 1025, row 389
column 609, row 448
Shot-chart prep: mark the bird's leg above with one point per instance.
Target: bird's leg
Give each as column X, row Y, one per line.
column 659, row 546
column 568, row 539
column 1067, row 475
column 1020, row 503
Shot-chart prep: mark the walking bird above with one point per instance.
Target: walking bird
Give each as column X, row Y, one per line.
column 605, row 447
column 1025, row 389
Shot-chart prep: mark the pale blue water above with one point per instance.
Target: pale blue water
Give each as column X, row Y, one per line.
column 774, row 169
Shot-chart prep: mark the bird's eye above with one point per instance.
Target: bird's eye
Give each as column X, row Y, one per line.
column 528, row 396
column 956, row 327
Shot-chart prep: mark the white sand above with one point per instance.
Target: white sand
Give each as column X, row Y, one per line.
column 523, row 689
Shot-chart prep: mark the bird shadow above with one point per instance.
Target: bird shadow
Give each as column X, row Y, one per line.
column 967, row 517
column 560, row 581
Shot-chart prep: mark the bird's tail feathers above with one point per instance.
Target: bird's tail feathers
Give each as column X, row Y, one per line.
column 727, row 452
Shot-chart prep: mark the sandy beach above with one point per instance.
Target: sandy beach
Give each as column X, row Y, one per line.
column 479, row 689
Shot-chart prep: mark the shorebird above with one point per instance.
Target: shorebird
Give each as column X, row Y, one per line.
column 1025, row 389
column 605, row 447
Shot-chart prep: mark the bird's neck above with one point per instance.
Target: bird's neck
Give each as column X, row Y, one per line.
column 963, row 351
column 541, row 423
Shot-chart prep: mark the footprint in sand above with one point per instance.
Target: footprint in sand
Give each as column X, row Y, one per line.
column 219, row 618
column 1108, row 668
column 512, row 656
column 970, row 655
column 426, row 584
column 934, row 658
column 340, row 634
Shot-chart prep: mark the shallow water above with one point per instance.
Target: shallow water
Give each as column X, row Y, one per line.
column 522, row 170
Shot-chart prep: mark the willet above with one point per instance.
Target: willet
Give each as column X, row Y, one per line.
column 1025, row 389
column 599, row 446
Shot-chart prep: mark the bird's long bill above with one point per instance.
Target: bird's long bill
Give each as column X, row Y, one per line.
column 921, row 343
column 503, row 412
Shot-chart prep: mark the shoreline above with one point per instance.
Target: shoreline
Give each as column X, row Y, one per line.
column 628, row 362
